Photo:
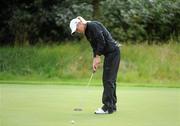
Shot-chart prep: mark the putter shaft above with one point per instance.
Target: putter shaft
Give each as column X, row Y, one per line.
column 90, row 79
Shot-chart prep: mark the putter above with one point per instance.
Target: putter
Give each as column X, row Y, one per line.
column 80, row 109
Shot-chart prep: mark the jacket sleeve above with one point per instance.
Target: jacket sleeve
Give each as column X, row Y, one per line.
column 99, row 38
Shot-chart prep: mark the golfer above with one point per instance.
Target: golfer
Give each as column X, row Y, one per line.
column 102, row 43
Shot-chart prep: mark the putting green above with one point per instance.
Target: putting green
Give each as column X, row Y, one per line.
column 52, row 105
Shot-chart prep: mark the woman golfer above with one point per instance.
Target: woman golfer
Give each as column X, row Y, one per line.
column 102, row 43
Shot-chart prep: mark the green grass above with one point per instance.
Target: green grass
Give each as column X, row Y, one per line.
column 140, row 63
column 52, row 105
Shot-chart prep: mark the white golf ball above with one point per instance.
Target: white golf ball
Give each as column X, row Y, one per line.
column 72, row 122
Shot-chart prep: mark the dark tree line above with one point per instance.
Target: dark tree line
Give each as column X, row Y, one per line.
column 46, row 21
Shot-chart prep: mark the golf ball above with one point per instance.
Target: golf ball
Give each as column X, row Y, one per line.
column 72, row 122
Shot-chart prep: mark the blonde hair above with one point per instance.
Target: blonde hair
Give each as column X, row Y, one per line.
column 82, row 19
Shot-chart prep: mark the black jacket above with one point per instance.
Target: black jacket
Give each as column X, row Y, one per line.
column 100, row 39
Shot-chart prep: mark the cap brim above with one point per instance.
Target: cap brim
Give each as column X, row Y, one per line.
column 73, row 31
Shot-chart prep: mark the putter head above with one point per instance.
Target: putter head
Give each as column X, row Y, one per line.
column 78, row 109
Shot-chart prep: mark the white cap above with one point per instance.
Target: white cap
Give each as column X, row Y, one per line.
column 73, row 25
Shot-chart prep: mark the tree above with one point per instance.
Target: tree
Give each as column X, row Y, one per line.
column 96, row 9
column 142, row 19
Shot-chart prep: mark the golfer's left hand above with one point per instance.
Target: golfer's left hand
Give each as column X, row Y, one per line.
column 96, row 62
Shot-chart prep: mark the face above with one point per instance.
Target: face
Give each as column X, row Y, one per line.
column 80, row 27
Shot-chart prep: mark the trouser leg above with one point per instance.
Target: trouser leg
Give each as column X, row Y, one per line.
column 110, row 70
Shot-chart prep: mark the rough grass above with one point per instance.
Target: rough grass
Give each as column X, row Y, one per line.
column 153, row 64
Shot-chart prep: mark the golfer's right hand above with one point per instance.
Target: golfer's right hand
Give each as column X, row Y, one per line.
column 96, row 62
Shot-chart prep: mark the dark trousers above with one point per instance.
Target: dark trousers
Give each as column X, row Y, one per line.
column 110, row 70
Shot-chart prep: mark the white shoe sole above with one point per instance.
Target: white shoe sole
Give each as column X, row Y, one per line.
column 100, row 111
